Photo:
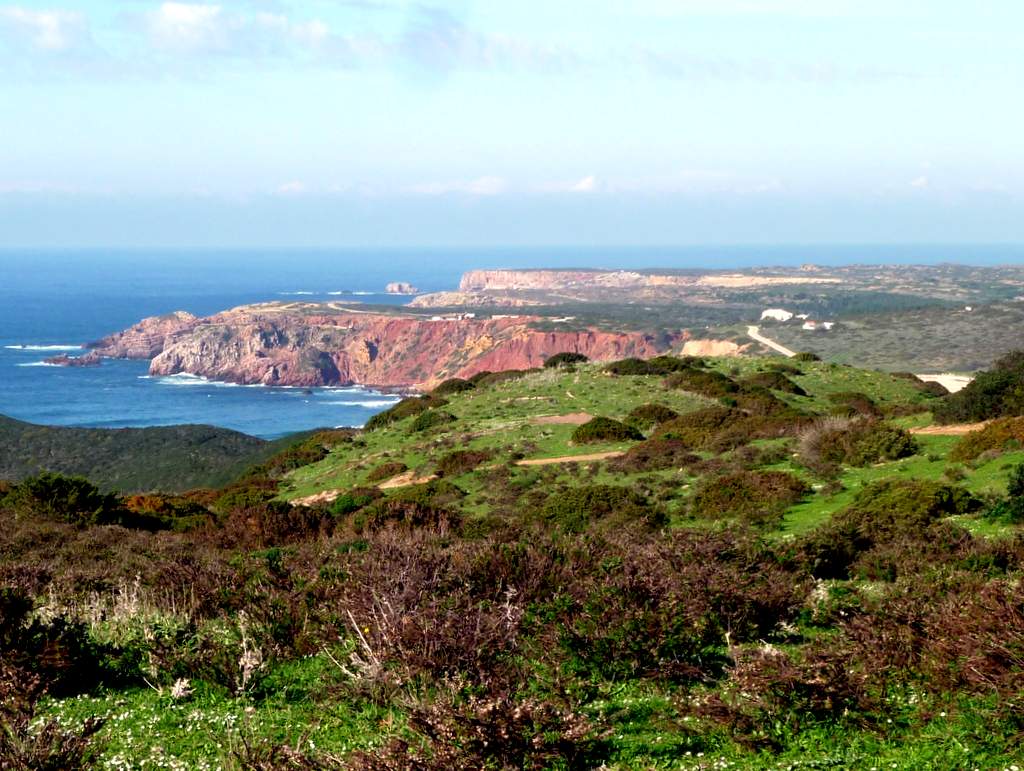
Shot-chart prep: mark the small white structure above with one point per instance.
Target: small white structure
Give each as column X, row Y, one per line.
column 803, row 316
column 776, row 314
column 812, row 326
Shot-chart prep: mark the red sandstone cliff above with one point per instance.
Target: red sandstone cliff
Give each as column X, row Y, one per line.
column 311, row 345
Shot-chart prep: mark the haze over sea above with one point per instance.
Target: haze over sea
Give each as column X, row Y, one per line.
column 50, row 301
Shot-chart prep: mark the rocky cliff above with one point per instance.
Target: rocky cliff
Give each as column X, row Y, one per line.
column 313, row 345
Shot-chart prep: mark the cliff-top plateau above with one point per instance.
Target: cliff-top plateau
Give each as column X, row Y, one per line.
column 309, row 344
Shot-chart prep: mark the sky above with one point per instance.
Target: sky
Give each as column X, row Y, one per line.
column 510, row 122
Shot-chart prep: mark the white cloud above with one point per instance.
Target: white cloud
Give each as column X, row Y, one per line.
column 482, row 186
column 49, row 31
column 187, row 26
column 585, row 185
column 921, row 183
column 294, row 187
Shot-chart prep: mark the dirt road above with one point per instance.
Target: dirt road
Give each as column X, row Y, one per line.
column 754, row 333
column 569, row 459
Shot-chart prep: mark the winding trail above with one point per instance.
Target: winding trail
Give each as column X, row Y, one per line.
column 569, row 459
column 754, row 333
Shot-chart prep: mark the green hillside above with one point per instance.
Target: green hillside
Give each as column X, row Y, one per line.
column 670, row 564
column 172, row 458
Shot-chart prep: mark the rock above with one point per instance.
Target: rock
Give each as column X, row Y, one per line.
column 91, row 359
column 400, row 287
column 314, row 345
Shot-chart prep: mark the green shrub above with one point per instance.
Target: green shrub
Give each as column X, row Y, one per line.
column 659, row 365
column 807, row 356
column 565, row 359
column 926, row 387
column 881, row 513
column 655, row 455
column 784, row 367
column 386, row 471
column 755, row 496
column 698, row 428
column 573, row 510
column 774, row 381
column 997, row 435
column 859, row 442
column 461, row 462
column 455, row 385
column 353, row 500
column 425, row 505
column 75, row 500
column 605, row 430
column 996, row 393
column 704, row 382
column 487, row 378
column 852, row 403
column 645, row 416
column 431, row 419
column 413, row 405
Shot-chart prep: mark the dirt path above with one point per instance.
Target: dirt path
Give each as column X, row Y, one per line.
column 755, row 334
column 405, row 480
column 954, row 429
column 572, row 419
column 327, row 496
column 569, row 459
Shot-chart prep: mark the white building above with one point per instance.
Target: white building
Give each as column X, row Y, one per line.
column 776, row 314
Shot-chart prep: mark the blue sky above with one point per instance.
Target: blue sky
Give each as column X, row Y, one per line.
column 350, row 122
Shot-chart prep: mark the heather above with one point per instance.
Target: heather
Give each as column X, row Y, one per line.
column 704, row 594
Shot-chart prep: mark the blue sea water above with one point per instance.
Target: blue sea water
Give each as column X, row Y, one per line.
column 50, row 301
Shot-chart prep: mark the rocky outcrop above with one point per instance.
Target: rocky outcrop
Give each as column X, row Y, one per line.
column 91, row 359
column 148, row 338
column 400, row 287
column 713, row 348
column 313, row 345
column 470, row 300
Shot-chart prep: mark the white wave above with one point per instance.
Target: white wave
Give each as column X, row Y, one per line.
column 183, row 379
column 37, row 364
column 44, row 347
column 296, row 294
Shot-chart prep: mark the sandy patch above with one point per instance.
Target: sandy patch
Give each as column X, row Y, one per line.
column 572, row 419
column 570, row 459
column 954, row 429
column 404, row 480
column 713, row 348
column 327, row 496
column 949, row 381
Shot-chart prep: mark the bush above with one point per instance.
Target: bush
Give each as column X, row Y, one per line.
column 431, row 419
column 852, row 403
column 925, row 387
column 784, row 367
column 755, row 496
column 807, row 356
column 566, row 359
column 704, row 382
column 353, row 500
column 659, row 365
column 75, row 500
column 881, row 514
column 455, row 385
column 386, row 471
column 835, row 441
column 461, row 462
column 487, row 378
column 774, row 381
column 424, row 505
column 654, row 455
column 575, row 509
column 697, row 428
column 999, row 435
column 645, row 416
column 605, row 430
column 413, row 405
column 996, row 393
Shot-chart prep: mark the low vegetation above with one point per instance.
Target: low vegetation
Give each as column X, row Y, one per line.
column 758, row 583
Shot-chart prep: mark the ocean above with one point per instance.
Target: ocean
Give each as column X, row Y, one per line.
column 51, row 302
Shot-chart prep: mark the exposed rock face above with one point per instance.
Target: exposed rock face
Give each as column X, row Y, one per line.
column 469, row 300
column 400, row 287
column 313, row 345
column 713, row 348
column 147, row 338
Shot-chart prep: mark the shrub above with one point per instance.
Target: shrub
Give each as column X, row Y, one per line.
column 431, row 419
column 880, row 514
column 853, row 403
column 565, row 359
column 424, row 505
column 806, row 356
column 353, row 500
column 756, row 496
column 925, row 387
column 784, row 367
column 998, row 435
column 455, row 385
column 74, row 500
column 774, row 381
column 604, row 430
column 834, row 441
column 413, row 405
column 487, row 378
column 461, row 461
column 697, row 428
column 704, row 382
column 655, row 455
column 574, row 509
column 386, row 470
column 659, row 365
column 645, row 416
column 996, row 393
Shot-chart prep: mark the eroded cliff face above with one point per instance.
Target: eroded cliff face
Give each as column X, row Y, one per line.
column 310, row 345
